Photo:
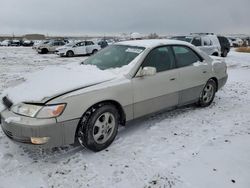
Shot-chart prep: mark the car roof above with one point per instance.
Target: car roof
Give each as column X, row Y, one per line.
column 153, row 43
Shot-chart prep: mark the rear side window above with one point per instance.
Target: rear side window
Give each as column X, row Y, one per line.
column 185, row 56
column 196, row 41
column 207, row 41
column 88, row 43
column 161, row 58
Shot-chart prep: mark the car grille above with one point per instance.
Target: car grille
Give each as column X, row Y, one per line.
column 8, row 133
column 18, row 139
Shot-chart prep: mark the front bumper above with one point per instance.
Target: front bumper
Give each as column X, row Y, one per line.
column 222, row 82
column 60, row 53
column 21, row 129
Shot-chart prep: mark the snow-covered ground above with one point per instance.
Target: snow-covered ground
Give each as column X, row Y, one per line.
column 186, row 148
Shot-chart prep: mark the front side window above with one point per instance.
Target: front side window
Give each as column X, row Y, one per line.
column 185, row 56
column 56, row 43
column 80, row 44
column 161, row 58
column 114, row 56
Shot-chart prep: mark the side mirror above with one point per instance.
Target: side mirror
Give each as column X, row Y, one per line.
column 148, row 71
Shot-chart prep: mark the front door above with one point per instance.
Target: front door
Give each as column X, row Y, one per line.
column 160, row 91
column 80, row 48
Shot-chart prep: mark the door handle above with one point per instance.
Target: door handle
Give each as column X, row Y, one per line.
column 172, row 79
column 204, row 72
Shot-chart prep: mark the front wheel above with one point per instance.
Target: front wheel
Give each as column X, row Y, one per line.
column 207, row 94
column 70, row 54
column 224, row 53
column 98, row 128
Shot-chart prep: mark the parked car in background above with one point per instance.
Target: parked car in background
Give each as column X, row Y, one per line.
column 164, row 74
column 40, row 43
column 103, row 43
column 79, row 48
column 236, row 42
column 225, row 45
column 208, row 43
column 6, row 43
column 28, row 43
column 15, row 43
column 49, row 46
column 110, row 41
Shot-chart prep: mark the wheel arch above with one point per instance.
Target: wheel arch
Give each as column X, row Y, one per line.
column 216, row 81
column 45, row 50
column 70, row 51
column 215, row 54
column 121, row 112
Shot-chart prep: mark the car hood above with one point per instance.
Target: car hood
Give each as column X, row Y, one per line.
column 54, row 81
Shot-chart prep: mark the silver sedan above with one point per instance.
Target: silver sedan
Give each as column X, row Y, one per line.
column 157, row 75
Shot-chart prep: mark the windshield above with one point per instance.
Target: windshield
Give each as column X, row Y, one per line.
column 114, row 56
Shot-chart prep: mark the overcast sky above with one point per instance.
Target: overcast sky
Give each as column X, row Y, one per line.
column 80, row 17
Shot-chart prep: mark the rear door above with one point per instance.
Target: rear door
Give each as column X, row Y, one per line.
column 194, row 73
column 89, row 47
column 207, row 46
column 160, row 91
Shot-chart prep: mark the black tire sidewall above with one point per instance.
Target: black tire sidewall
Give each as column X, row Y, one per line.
column 44, row 51
column 70, row 54
column 224, row 54
column 88, row 140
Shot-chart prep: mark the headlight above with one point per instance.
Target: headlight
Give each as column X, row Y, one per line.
column 39, row 111
column 51, row 111
column 26, row 109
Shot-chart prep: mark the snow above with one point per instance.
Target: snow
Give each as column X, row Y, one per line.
column 186, row 148
column 56, row 80
column 151, row 43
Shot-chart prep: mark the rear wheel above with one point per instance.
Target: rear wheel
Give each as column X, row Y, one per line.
column 45, row 51
column 98, row 129
column 215, row 54
column 70, row 54
column 224, row 53
column 94, row 51
column 207, row 94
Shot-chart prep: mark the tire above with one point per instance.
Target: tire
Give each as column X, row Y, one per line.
column 44, row 51
column 224, row 53
column 70, row 53
column 207, row 94
column 94, row 52
column 215, row 54
column 98, row 127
